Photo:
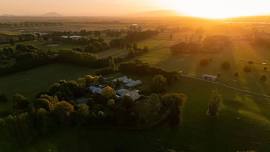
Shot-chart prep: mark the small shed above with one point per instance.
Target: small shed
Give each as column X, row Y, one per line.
column 208, row 77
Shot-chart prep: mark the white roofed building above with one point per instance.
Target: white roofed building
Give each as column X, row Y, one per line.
column 209, row 77
column 133, row 94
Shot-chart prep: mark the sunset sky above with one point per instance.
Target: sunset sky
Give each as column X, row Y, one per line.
column 200, row 8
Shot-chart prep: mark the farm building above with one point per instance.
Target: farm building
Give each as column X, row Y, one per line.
column 133, row 94
column 209, row 77
column 128, row 82
column 74, row 37
column 96, row 89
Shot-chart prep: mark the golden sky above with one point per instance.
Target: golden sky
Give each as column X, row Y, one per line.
column 200, row 8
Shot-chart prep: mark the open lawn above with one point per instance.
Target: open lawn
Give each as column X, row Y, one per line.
column 31, row 82
column 39, row 79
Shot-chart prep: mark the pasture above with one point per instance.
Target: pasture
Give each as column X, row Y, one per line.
column 31, row 82
column 39, row 79
column 242, row 52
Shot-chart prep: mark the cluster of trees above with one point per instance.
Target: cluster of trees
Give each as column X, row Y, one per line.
column 138, row 68
column 25, row 57
column 29, row 24
column 21, row 58
column 129, row 41
column 96, row 45
column 211, row 44
column 58, row 108
column 205, row 62
column 214, row 103
column 12, row 39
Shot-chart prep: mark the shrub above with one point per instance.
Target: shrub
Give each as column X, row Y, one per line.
column 159, row 83
column 21, row 103
column 108, row 92
column 204, row 62
column 263, row 78
column 214, row 104
column 174, row 102
column 225, row 65
column 247, row 69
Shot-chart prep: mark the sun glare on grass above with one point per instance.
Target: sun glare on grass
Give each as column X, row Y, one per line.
column 215, row 9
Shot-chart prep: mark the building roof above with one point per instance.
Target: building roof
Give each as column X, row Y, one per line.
column 133, row 94
column 128, row 82
column 95, row 89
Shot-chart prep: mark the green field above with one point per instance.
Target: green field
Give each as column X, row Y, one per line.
column 31, row 82
column 242, row 52
column 39, row 79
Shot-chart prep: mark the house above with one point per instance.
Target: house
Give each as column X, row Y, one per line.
column 74, row 37
column 133, row 94
column 65, row 37
column 208, row 77
column 96, row 89
column 128, row 82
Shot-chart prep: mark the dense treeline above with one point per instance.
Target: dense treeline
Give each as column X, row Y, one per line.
column 131, row 38
column 26, row 57
column 28, row 24
column 138, row 68
column 21, row 58
column 11, row 39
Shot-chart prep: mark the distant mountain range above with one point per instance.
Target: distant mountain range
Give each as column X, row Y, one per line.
column 7, row 15
column 52, row 14
column 157, row 13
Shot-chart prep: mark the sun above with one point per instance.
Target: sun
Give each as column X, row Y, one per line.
column 216, row 9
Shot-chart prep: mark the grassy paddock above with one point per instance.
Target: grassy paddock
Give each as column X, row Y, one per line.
column 31, row 82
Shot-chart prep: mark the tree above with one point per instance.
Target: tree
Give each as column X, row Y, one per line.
column 83, row 110
column 21, row 103
column 247, row 69
column 113, row 65
column 108, row 92
column 145, row 49
column 159, row 83
column 82, row 114
column 263, row 78
column 204, row 62
column 42, row 120
column 42, row 103
column 126, row 113
column 214, row 103
column 236, row 74
column 225, row 65
column 62, row 111
column 173, row 102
